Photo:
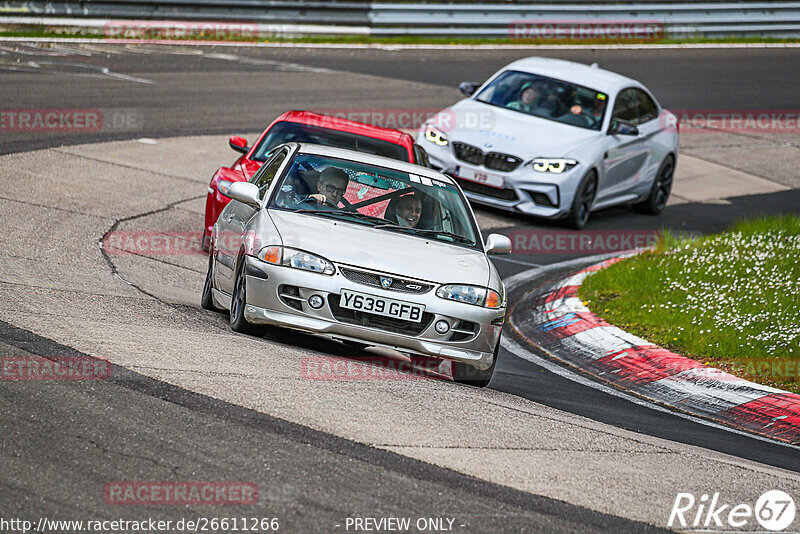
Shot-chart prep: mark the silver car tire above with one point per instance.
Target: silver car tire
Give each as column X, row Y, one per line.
column 206, row 300
column 656, row 201
column 582, row 204
column 238, row 321
column 355, row 345
column 464, row 373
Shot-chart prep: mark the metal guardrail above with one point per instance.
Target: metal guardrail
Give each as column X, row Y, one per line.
column 695, row 19
column 777, row 19
column 342, row 13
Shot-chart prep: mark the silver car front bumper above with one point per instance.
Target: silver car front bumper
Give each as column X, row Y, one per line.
column 271, row 289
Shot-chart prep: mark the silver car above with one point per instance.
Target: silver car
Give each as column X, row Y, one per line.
column 361, row 248
column 556, row 139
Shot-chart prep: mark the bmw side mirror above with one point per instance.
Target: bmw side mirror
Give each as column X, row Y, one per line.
column 621, row 127
column 498, row 244
column 468, row 88
column 244, row 192
column 239, row 144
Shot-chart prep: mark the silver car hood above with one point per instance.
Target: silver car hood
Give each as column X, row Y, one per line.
column 381, row 250
column 512, row 132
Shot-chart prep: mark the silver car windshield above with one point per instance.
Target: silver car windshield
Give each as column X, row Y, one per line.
column 386, row 199
column 547, row 98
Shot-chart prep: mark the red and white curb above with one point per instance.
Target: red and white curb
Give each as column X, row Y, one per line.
column 569, row 331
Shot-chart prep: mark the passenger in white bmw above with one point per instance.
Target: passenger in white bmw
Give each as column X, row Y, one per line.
column 527, row 102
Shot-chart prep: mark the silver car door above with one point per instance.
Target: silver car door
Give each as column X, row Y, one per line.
column 625, row 155
column 233, row 221
column 230, row 227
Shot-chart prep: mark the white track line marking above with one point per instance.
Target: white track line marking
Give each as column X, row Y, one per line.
column 280, row 65
column 88, row 71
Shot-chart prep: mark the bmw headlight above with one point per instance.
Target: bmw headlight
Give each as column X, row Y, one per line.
column 553, row 165
column 475, row 295
column 297, row 259
column 435, row 135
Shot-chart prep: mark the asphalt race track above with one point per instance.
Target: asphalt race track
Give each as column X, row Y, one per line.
column 226, row 89
column 189, row 400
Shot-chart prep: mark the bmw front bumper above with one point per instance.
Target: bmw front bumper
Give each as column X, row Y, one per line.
column 526, row 191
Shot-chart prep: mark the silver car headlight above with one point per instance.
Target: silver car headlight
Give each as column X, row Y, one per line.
column 475, row 295
column 553, row 165
column 435, row 135
column 297, row 259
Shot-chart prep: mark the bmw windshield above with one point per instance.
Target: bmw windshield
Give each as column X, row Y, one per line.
column 386, row 199
column 546, row 98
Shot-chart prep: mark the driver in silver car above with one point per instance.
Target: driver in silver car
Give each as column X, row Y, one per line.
column 331, row 187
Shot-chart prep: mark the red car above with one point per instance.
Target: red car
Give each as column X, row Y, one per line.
column 305, row 127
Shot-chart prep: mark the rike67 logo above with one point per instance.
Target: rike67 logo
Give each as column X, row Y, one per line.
column 773, row 511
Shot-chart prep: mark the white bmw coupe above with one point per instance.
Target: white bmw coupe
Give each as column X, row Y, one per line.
column 556, row 139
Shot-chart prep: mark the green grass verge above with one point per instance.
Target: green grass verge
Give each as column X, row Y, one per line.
column 42, row 32
column 730, row 300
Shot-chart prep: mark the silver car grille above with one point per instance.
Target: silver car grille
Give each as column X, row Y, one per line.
column 374, row 280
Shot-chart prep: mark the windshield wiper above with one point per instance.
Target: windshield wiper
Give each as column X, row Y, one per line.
column 445, row 233
column 346, row 213
column 423, row 231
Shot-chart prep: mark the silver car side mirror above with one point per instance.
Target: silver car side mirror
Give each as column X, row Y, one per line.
column 244, row 192
column 621, row 127
column 498, row 244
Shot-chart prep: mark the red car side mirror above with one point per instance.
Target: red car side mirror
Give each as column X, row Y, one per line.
column 239, row 144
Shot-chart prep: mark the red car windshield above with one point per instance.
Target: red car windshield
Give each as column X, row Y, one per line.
column 287, row 132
